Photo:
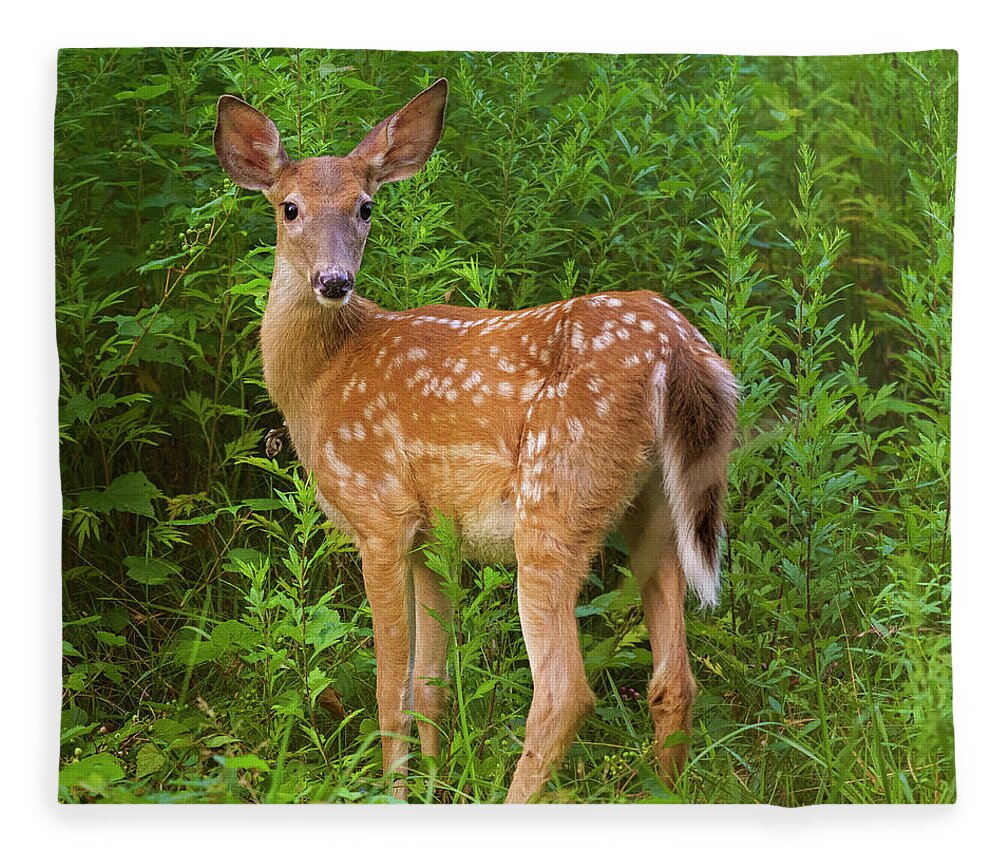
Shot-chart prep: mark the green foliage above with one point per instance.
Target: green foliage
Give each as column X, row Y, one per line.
column 217, row 643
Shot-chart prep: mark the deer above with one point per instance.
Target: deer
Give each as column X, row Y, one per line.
column 536, row 431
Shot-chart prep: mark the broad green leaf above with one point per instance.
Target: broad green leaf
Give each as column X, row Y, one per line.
column 324, row 628
column 148, row 760
column 245, row 762
column 132, row 492
column 149, row 571
column 234, row 634
column 109, row 638
column 669, row 187
column 80, row 407
column 94, row 773
column 172, row 731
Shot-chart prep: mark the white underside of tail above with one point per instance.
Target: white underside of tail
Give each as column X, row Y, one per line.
column 702, row 575
column 683, row 489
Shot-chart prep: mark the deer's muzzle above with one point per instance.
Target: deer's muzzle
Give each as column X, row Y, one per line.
column 333, row 285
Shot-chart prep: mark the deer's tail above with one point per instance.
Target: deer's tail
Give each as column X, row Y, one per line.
column 694, row 415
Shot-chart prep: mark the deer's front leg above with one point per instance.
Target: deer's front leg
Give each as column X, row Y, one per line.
column 386, row 574
column 547, row 587
column 430, row 661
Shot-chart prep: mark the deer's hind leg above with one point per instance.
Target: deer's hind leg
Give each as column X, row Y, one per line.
column 652, row 548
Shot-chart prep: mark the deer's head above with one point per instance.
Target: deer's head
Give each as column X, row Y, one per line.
column 323, row 205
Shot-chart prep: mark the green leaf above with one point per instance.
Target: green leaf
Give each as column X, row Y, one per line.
column 170, row 139
column 245, row 762
column 80, row 407
column 73, row 732
column 109, row 638
column 149, row 571
column 94, row 773
column 587, row 610
column 69, row 650
column 132, row 492
column 675, row 739
column 216, row 741
column 148, row 760
column 324, row 628
column 669, row 187
column 357, row 84
column 263, row 504
column 162, row 263
column 160, row 350
column 244, row 557
column 779, row 133
column 149, row 91
column 318, row 682
column 171, row 731
column 234, row 635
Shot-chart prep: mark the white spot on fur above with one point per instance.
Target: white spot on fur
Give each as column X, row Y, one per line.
column 530, row 389
column 603, row 341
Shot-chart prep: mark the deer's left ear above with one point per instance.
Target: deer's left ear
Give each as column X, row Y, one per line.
column 400, row 145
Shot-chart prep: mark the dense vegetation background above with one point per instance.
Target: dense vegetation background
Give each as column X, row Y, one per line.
column 217, row 645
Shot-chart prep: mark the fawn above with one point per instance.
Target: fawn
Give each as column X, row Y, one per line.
column 536, row 430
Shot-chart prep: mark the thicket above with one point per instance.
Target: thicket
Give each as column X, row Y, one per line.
column 217, row 644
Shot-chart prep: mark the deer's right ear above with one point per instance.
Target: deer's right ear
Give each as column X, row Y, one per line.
column 248, row 145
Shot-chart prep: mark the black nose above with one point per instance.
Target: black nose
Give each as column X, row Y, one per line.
column 334, row 284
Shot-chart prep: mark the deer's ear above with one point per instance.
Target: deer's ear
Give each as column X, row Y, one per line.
column 248, row 145
column 399, row 145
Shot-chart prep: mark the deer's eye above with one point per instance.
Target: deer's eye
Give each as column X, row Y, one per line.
column 366, row 211
column 291, row 211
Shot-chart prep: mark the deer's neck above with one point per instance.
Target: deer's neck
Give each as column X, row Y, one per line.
column 300, row 339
